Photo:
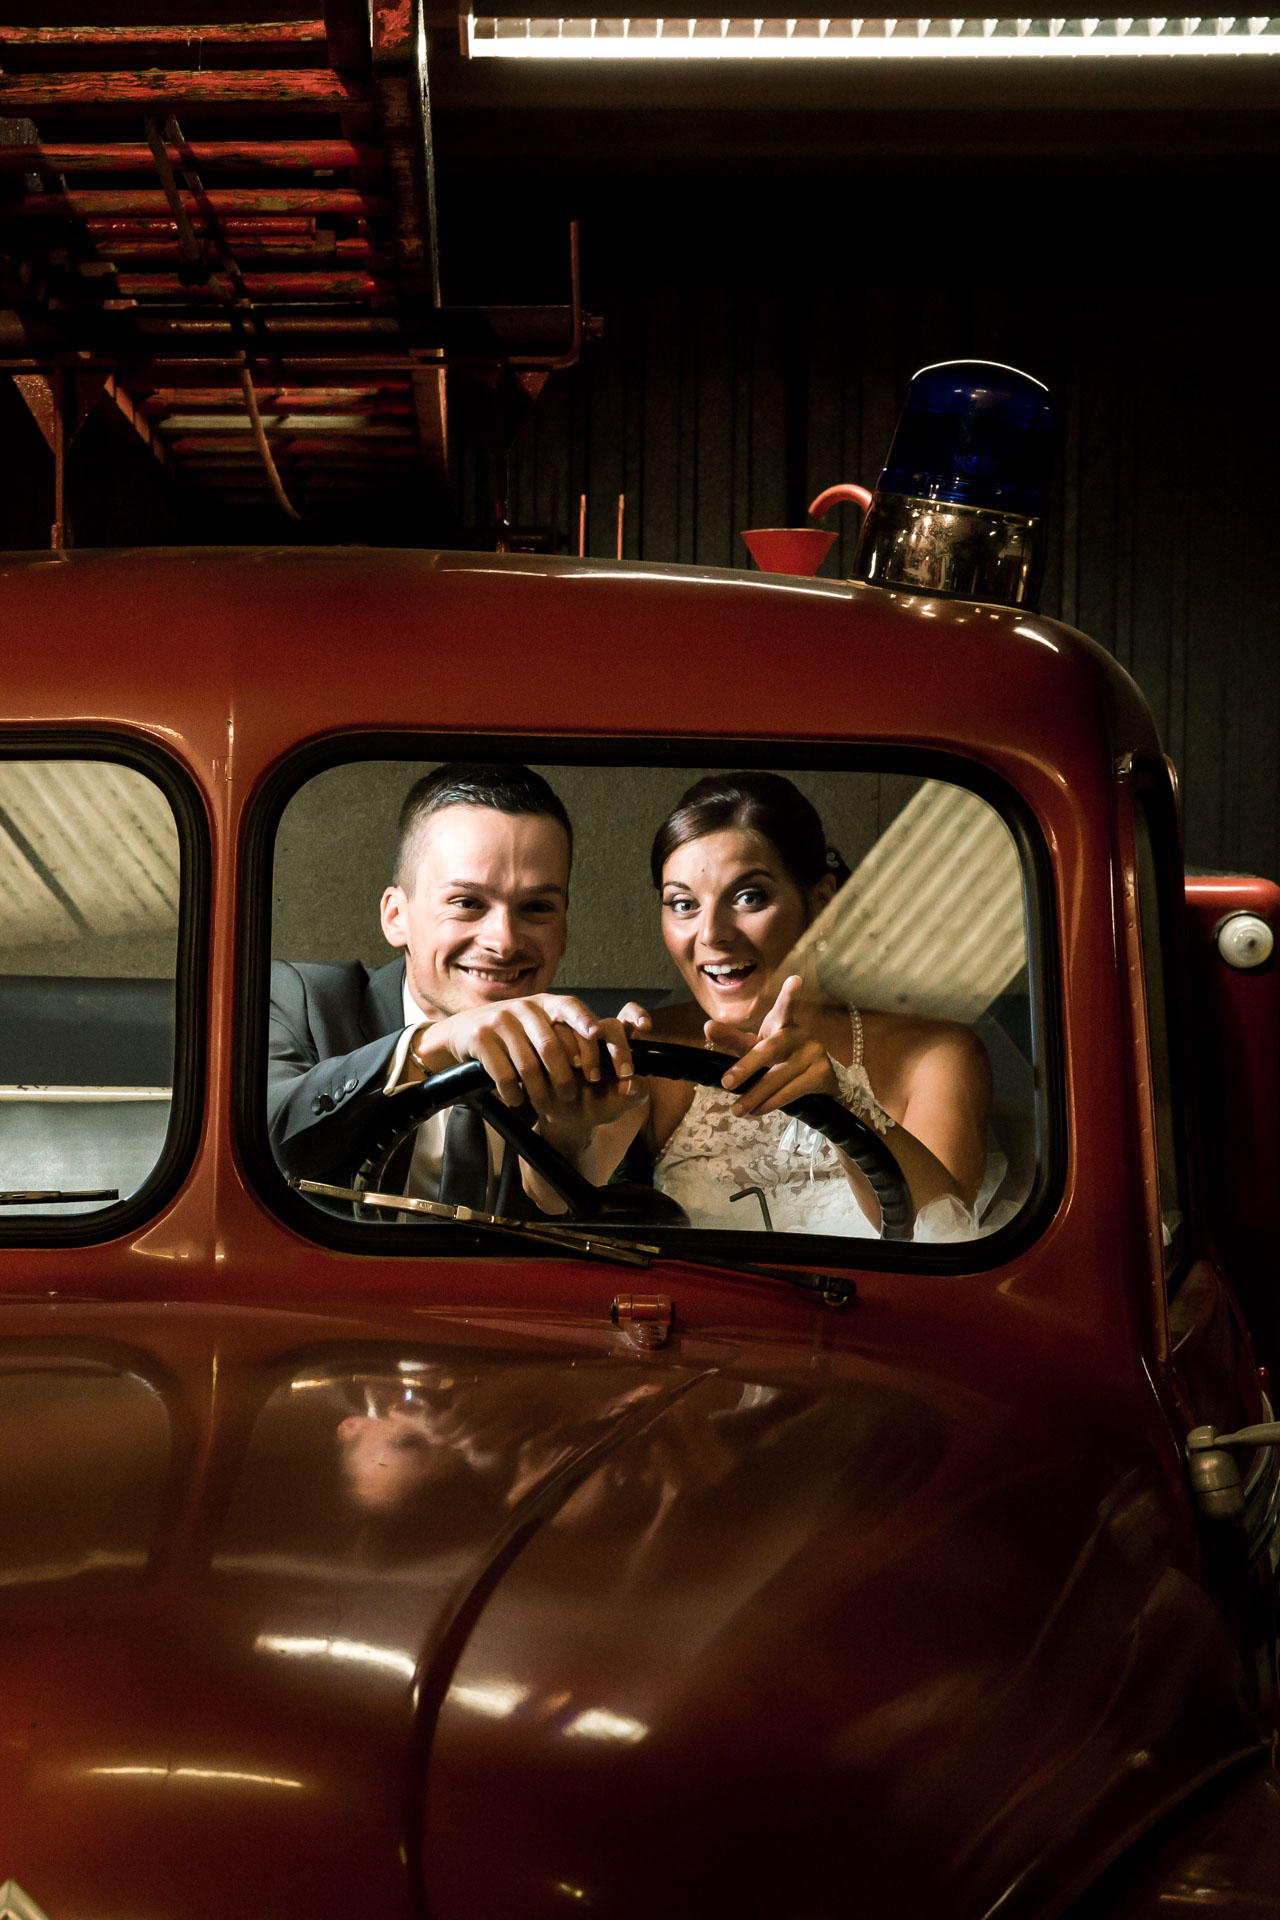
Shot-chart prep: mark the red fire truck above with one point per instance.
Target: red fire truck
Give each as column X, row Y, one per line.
column 360, row 1560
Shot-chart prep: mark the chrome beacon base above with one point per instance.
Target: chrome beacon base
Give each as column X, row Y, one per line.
column 939, row 546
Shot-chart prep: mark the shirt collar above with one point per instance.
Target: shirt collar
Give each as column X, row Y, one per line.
column 413, row 1013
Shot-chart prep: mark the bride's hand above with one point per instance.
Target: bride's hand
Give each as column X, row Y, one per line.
column 571, row 1118
column 790, row 1061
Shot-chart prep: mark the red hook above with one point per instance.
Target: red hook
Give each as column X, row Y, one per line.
column 845, row 490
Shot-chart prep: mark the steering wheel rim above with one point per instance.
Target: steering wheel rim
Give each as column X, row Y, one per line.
column 659, row 1060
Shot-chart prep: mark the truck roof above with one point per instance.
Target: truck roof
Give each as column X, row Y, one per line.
column 287, row 643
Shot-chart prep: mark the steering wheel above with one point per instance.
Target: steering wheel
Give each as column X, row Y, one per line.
column 660, row 1060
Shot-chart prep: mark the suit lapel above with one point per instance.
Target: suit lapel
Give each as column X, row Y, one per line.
column 382, row 1011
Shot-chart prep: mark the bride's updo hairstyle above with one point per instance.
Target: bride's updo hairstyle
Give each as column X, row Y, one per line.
column 763, row 803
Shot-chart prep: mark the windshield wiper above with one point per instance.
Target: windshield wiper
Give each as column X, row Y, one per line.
column 833, row 1289
column 584, row 1239
column 52, row 1196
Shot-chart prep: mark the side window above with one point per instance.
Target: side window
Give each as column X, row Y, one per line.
column 1151, row 866
column 89, row 876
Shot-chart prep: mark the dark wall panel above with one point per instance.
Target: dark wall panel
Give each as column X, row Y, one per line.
column 716, row 406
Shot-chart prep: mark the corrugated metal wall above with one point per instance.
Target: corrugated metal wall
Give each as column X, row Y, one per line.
column 716, row 407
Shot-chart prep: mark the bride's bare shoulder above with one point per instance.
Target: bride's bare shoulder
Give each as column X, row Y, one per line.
column 901, row 1044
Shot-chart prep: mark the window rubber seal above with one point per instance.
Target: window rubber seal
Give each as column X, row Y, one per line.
column 817, row 1251
column 121, row 1217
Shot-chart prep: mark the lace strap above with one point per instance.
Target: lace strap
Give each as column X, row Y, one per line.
column 855, row 1021
column 855, row 1088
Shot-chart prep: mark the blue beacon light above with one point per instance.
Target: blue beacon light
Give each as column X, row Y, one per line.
column 960, row 507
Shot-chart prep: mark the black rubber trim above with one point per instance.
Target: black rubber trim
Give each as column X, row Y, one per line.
column 191, row 1022
column 340, row 747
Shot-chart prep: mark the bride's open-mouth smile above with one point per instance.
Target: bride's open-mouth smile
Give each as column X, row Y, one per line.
column 728, row 976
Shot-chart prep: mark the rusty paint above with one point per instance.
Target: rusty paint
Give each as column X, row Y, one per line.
column 276, row 33
column 284, row 440
column 405, row 122
column 364, row 394
column 227, row 430
column 266, row 234
column 413, row 231
column 299, row 327
column 284, row 251
column 125, row 405
column 273, row 400
column 394, row 39
column 286, row 227
column 37, row 390
column 158, row 91
column 279, row 156
column 260, row 286
column 92, row 202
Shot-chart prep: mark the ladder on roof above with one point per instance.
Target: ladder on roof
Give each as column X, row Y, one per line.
column 228, row 232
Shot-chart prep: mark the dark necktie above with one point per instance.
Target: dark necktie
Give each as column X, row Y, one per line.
column 464, row 1166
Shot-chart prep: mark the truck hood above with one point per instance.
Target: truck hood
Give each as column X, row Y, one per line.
column 495, row 1624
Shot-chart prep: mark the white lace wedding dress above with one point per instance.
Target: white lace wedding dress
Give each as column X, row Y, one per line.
column 713, row 1155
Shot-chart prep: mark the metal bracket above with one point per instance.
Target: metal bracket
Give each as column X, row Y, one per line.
column 645, row 1319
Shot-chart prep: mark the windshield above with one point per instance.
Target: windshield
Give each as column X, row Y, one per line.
column 831, row 944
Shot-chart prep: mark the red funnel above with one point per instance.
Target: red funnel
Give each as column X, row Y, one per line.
column 789, row 549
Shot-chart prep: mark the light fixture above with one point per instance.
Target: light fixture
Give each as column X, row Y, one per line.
column 500, row 37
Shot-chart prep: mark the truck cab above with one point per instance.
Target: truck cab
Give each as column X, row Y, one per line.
column 356, row 1560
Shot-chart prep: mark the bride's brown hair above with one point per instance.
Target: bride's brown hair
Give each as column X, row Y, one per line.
column 763, row 803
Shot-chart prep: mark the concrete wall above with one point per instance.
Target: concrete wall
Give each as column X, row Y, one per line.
column 337, row 840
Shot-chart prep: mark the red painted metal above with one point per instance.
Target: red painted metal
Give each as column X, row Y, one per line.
column 90, row 203
column 209, row 156
column 282, row 251
column 106, row 40
column 296, row 89
column 374, row 442
column 900, row 1611
column 263, row 226
column 367, row 396
column 301, row 329
column 297, row 284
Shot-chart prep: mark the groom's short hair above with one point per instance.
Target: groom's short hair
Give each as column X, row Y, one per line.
column 507, row 787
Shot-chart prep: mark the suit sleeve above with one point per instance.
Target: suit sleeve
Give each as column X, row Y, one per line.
column 320, row 1103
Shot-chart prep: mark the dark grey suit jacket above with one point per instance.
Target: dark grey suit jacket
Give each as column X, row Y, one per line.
column 334, row 1027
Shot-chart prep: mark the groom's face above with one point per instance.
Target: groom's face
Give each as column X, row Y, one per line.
column 484, row 918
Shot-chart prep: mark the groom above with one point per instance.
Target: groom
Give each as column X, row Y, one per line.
column 477, row 905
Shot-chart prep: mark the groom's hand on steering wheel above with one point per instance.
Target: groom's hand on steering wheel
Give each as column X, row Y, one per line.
column 548, row 1046
column 789, row 1059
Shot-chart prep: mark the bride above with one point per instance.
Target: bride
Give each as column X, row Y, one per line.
column 742, row 867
